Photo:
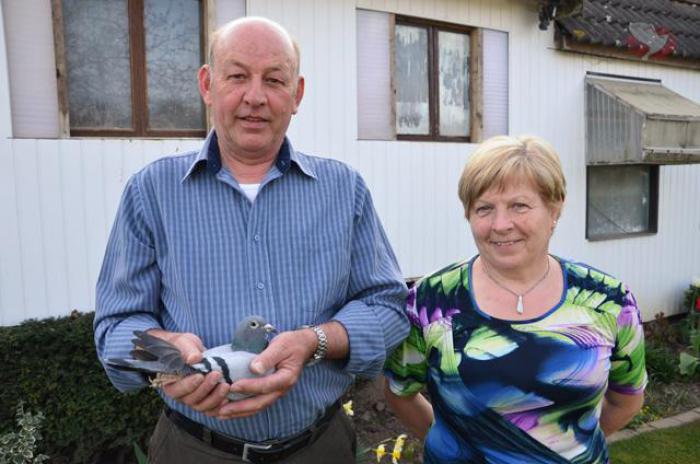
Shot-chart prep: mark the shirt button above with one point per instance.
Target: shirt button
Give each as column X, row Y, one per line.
column 261, row 285
column 256, row 237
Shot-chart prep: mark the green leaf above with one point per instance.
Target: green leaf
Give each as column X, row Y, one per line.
column 140, row 456
column 687, row 364
column 695, row 340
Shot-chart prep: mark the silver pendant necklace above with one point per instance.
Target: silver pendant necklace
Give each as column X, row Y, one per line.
column 519, row 306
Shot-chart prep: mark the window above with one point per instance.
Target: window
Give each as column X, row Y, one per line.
column 432, row 69
column 621, row 201
column 130, row 67
column 424, row 80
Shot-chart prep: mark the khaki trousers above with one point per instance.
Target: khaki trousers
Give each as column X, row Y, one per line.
column 171, row 445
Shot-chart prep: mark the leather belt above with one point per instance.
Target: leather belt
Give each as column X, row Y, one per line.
column 254, row 452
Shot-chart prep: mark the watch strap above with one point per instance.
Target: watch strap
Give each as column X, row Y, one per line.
column 321, row 347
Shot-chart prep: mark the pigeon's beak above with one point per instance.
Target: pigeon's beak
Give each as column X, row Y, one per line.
column 270, row 328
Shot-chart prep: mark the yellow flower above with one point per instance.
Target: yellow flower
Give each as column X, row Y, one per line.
column 398, row 447
column 347, row 407
column 381, row 451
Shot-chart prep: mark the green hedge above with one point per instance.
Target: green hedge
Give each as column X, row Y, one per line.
column 52, row 366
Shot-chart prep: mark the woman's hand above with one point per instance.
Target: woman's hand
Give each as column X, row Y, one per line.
column 618, row 410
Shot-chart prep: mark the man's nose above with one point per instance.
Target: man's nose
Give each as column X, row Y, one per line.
column 254, row 94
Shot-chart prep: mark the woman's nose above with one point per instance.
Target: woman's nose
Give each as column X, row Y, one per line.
column 501, row 220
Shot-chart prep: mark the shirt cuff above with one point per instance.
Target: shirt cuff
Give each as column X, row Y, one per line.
column 366, row 341
column 118, row 344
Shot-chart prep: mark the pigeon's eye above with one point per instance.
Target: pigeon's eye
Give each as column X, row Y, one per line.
column 253, row 324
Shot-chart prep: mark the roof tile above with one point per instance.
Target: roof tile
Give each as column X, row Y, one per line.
column 672, row 26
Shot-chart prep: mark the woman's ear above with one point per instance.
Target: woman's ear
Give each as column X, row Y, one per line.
column 555, row 213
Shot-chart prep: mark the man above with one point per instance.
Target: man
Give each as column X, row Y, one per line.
column 249, row 226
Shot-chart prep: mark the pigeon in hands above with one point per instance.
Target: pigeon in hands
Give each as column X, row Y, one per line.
column 153, row 355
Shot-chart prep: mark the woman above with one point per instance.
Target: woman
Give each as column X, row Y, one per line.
column 527, row 357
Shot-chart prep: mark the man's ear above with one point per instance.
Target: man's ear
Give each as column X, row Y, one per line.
column 204, row 79
column 299, row 94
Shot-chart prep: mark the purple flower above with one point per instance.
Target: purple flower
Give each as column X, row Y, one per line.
column 422, row 320
column 411, row 298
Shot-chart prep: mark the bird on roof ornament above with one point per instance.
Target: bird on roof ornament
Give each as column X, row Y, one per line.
column 647, row 40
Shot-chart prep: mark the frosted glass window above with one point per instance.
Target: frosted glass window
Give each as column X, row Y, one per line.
column 431, row 78
column 454, row 83
column 621, row 200
column 412, row 85
column 416, row 79
column 132, row 67
column 172, row 59
column 96, row 38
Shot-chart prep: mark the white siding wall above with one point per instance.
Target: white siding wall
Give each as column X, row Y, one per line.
column 58, row 197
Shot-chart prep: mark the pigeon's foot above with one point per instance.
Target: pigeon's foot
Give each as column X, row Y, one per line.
column 161, row 380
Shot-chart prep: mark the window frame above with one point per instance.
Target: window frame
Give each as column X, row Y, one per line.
column 653, row 203
column 139, row 86
column 475, row 79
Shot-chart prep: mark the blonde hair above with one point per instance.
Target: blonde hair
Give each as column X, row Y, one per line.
column 504, row 159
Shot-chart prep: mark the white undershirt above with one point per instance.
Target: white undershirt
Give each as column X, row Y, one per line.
column 250, row 190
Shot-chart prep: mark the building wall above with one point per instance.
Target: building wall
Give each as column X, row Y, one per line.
column 58, row 197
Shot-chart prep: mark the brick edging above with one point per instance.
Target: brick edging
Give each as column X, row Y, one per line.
column 673, row 421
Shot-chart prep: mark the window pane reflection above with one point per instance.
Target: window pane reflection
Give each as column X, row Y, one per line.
column 454, row 83
column 173, row 55
column 619, row 200
column 96, row 38
column 412, row 96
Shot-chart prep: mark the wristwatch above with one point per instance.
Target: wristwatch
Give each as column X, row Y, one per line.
column 321, row 347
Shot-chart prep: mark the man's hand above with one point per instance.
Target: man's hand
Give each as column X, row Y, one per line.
column 288, row 353
column 201, row 393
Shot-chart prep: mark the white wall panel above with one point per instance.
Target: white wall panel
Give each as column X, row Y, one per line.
column 228, row 10
column 32, row 67
column 57, row 202
column 12, row 305
column 53, row 240
column 58, row 197
column 29, row 219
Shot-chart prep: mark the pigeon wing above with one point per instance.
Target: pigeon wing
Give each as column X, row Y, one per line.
column 153, row 355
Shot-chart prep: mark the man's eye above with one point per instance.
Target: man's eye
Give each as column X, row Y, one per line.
column 274, row 80
column 237, row 76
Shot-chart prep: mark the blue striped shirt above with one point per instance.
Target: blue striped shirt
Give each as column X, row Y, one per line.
column 189, row 252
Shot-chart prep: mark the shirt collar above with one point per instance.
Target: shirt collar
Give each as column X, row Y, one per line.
column 210, row 156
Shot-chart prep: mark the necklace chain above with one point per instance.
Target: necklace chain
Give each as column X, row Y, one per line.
column 519, row 306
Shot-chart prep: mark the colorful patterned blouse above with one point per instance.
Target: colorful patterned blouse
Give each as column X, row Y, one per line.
column 519, row 391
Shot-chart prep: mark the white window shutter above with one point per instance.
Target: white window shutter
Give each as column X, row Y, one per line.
column 495, row 85
column 375, row 103
column 32, row 68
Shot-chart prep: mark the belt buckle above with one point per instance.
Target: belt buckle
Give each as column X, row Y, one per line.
column 253, row 446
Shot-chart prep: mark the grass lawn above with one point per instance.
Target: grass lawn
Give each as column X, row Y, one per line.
column 677, row 445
